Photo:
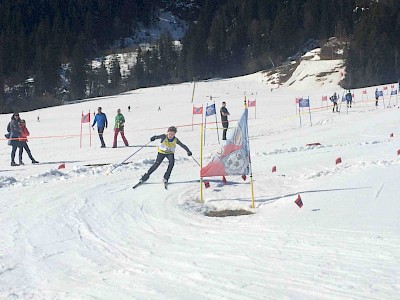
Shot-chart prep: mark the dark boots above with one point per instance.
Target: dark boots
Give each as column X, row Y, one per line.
column 144, row 177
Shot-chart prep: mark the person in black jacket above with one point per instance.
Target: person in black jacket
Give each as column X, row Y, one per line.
column 166, row 149
column 224, row 119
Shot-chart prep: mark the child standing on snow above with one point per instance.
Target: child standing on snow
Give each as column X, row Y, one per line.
column 166, row 149
column 24, row 143
column 119, row 128
column 349, row 98
column 334, row 100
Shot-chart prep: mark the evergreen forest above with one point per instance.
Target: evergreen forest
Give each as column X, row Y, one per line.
column 46, row 47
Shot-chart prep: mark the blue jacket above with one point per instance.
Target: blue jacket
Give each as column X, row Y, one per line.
column 101, row 120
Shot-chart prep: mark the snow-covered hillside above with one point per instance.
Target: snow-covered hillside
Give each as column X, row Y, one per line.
column 82, row 233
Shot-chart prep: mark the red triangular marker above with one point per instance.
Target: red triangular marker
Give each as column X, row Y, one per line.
column 223, row 180
column 298, row 201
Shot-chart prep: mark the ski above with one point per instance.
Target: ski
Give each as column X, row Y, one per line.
column 141, row 182
column 137, row 184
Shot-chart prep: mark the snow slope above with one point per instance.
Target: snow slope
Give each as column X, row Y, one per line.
column 78, row 233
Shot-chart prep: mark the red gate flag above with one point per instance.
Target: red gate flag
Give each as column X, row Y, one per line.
column 251, row 103
column 298, row 201
column 223, row 180
column 364, row 92
column 234, row 157
column 385, row 87
column 197, row 110
column 85, row 118
column 324, row 98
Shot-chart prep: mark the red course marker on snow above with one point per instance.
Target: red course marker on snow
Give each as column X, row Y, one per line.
column 298, row 201
column 391, row 135
column 273, row 169
column 244, row 177
column 223, row 180
column 62, row 166
column 207, row 184
column 338, row 160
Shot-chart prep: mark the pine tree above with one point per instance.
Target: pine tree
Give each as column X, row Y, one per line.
column 136, row 78
column 115, row 73
column 102, row 80
column 78, row 71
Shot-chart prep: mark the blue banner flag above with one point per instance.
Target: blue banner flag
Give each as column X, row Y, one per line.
column 304, row 102
column 380, row 93
column 393, row 92
column 210, row 110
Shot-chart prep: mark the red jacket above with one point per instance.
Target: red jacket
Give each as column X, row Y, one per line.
column 24, row 133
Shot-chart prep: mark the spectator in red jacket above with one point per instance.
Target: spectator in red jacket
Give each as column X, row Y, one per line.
column 24, row 143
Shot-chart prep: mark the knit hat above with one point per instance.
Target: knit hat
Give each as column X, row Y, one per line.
column 173, row 129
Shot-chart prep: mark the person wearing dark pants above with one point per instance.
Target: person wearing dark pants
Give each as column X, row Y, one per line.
column 224, row 119
column 24, row 143
column 14, row 135
column 101, row 120
column 334, row 100
column 376, row 97
column 349, row 98
column 166, row 149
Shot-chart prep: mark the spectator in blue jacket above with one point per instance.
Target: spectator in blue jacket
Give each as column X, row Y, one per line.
column 349, row 98
column 376, row 96
column 101, row 120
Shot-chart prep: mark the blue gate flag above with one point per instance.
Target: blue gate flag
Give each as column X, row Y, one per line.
column 210, row 110
column 304, row 102
column 393, row 92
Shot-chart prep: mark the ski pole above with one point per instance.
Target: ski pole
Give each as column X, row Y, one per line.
column 195, row 160
column 128, row 157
